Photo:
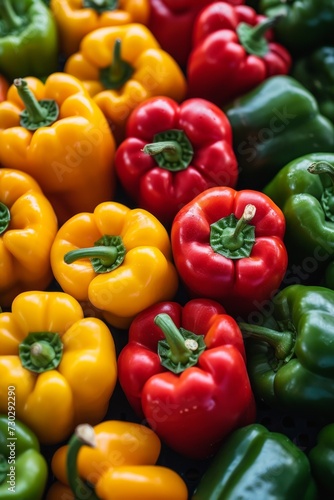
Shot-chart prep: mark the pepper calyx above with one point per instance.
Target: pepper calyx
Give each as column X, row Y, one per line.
column 100, row 6
column 41, row 351
column 118, row 72
column 327, row 197
column 171, row 149
column 4, row 217
column 253, row 39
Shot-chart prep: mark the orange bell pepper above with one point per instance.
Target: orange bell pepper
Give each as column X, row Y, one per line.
column 4, row 86
column 75, row 18
column 61, row 365
column 59, row 136
column 28, row 226
column 114, row 460
column 117, row 258
column 121, row 66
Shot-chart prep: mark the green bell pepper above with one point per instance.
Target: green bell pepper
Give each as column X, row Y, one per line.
column 23, row 469
column 256, row 464
column 28, row 39
column 290, row 351
column 321, row 458
column 305, row 24
column 316, row 72
column 273, row 124
column 307, row 202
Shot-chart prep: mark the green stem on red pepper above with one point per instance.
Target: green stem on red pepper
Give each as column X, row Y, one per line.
column 36, row 113
column 327, row 197
column 4, row 217
column 100, row 5
column 83, row 436
column 180, row 349
column 252, row 38
column 118, row 72
column 171, row 149
column 40, row 352
column 107, row 254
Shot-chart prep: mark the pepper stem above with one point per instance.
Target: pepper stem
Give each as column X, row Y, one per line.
column 232, row 237
column 100, row 5
column 40, row 352
column 119, row 71
column 171, row 149
column 4, row 217
column 252, row 38
column 9, row 16
column 83, row 436
column 322, row 167
column 180, row 349
column 283, row 342
column 327, row 197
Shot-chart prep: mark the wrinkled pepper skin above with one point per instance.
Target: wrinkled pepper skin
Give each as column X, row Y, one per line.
column 238, row 269
column 194, row 409
column 257, row 464
column 28, row 39
column 143, row 273
column 321, row 457
column 316, row 72
column 290, row 353
column 121, row 66
column 304, row 26
column 24, row 470
column 173, row 152
column 123, row 464
column 28, row 227
column 75, row 20
column 269, row 127
column 304, row 199
column 233, row 52
column 63, row 366
column 70, row 158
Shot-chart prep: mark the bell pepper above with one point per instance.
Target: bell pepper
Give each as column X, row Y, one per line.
column 304, row 26
column 274, row 124
column 28, row 39
column 321, row 458
column 306, row 200
column 62, row 365
column 4, row 86
column 28, row 227
column 121, row 66
column 290, row 351
column 114, row 460
column 228, row 246
column 77, row 18
column 183, row 370
column 58, row 135
column 173, row 152
column 118, row 259
column 23, row 469
column 231, row 53
column 316, row 72
column 255, row 463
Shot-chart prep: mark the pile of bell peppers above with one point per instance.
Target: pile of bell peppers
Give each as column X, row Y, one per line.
column 166, row 249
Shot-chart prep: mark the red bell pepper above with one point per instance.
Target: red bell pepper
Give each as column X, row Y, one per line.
column 173, row 152
column 233, row 52
column 183, row 370
column 171, row 22
column 228, row 246
column 4, row 86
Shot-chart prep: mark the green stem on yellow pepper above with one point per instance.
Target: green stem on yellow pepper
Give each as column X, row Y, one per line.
column 4, row 217
column 118, row 72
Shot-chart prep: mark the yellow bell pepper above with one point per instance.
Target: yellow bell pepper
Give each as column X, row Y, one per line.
column 121, row 66
column 59, row 136
column 76, row 18
column 114, row 461
column 119, row 259
column 28, row 226
column 62, row 365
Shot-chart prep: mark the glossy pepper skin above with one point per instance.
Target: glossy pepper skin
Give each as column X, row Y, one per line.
column 316, row 72
column 273, row 124
column 191, row 398
column 63, row 366
column 257, row 464
column 173, row 152
column 119, row 259
column 290, row 351
column 304, row 26
column 306, row 200
column 232, row 53
column 28, row 227
column 69, row 152
column 321, row 457
column 75, row 18
column 119, row 460
column 121, row 66
column 24, row 469
column 4, row 86
column 228, row 246
column 28, row 39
